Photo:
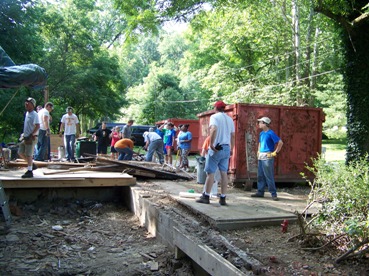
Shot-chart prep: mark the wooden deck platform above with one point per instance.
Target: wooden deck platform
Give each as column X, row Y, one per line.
column 12, row 179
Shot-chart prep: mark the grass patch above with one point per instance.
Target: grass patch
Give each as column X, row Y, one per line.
column 335, row 144
column 335, row 149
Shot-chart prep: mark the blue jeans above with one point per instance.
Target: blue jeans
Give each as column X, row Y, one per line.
column 42, row 145
column 125, row 153
column 69, row 141
column 266, row 176
column 155, row 146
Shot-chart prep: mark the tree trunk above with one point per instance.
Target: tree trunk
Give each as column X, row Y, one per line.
column 357, row 86
column 296, row 39
column 314, row 67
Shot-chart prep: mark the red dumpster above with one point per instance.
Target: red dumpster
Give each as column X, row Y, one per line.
column 193, row 128
column 300, row 129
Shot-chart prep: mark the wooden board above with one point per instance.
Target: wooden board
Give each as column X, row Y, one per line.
column 149, row 168
column 12, row 179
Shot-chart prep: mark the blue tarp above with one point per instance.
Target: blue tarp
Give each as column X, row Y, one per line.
column 13, row 76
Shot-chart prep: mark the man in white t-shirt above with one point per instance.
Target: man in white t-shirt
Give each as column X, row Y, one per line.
column 44, row 131
column 222, row 136
column 70, row 125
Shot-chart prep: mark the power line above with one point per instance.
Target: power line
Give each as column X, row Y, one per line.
column 294, row 81
column 281, row 55
column 263, row 88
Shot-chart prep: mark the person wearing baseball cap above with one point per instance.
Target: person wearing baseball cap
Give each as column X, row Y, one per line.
column 269, row 146
column 29, row 136
column 222, row 137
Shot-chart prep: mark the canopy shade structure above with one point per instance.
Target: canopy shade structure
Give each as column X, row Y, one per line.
column 14, row 76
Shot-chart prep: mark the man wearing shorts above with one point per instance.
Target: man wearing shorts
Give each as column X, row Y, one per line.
column 29, row 136
column 222, row 136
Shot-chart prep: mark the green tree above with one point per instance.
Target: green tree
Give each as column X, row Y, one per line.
column 19, row 30
column 247, row 51
column 169, row 90
column 353, row 19
column 82, row 72
column 20, row 38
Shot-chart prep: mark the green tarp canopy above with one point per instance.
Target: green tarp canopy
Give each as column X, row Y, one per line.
column 14, row 76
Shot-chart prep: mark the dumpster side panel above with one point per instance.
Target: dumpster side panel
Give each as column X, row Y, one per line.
column 301, row 132
column 247, row 127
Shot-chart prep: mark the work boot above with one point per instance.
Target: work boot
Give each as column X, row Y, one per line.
column 222, row 200
column 204, row 199
column 28, row 174
column 34, row 166
column 257, row 195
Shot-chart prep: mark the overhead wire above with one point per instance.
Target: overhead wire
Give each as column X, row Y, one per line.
column 265, row 87
column 283, row 57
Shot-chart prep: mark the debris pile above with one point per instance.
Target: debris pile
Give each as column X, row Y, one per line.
column 134, row 168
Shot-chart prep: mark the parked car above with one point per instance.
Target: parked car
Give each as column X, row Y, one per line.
column 138, row 131
column 108, row 125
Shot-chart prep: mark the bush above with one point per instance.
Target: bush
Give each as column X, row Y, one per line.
column 343, row 191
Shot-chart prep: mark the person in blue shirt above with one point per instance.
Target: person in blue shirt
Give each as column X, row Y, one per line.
column 269, row 146
column 184, row 139
column 169, row 135
column 159, row 131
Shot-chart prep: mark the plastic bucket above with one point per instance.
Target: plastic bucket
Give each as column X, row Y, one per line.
column 200, row 166
column 61, row 152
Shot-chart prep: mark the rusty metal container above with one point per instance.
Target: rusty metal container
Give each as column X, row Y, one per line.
column 300, row 129
column 193, row 128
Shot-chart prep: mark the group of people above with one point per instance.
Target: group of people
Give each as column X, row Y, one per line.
column 218, row 147
column 35, row 139
column 121, row 143
column 161, row 141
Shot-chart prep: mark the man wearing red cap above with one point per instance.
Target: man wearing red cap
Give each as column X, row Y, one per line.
column 221, row 148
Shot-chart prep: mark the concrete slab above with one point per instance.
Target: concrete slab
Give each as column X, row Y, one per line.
column 242, row 210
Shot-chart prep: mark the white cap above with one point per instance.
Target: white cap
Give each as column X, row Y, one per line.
column 265, row 120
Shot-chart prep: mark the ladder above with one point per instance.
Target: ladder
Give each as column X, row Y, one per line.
column 5, row 205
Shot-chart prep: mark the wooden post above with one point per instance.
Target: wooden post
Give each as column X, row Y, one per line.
column 46, row 94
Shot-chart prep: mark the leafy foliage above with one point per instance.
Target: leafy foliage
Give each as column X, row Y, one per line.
column 345, row 206
column 70, row 39
column 330, row 96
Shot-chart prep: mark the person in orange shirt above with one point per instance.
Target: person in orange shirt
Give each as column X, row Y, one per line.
column 204, row 153
column 125, row 148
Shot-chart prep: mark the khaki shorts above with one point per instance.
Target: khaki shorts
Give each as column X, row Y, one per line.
column 27, row 150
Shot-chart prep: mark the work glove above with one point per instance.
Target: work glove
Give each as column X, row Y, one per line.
column 273, row 154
